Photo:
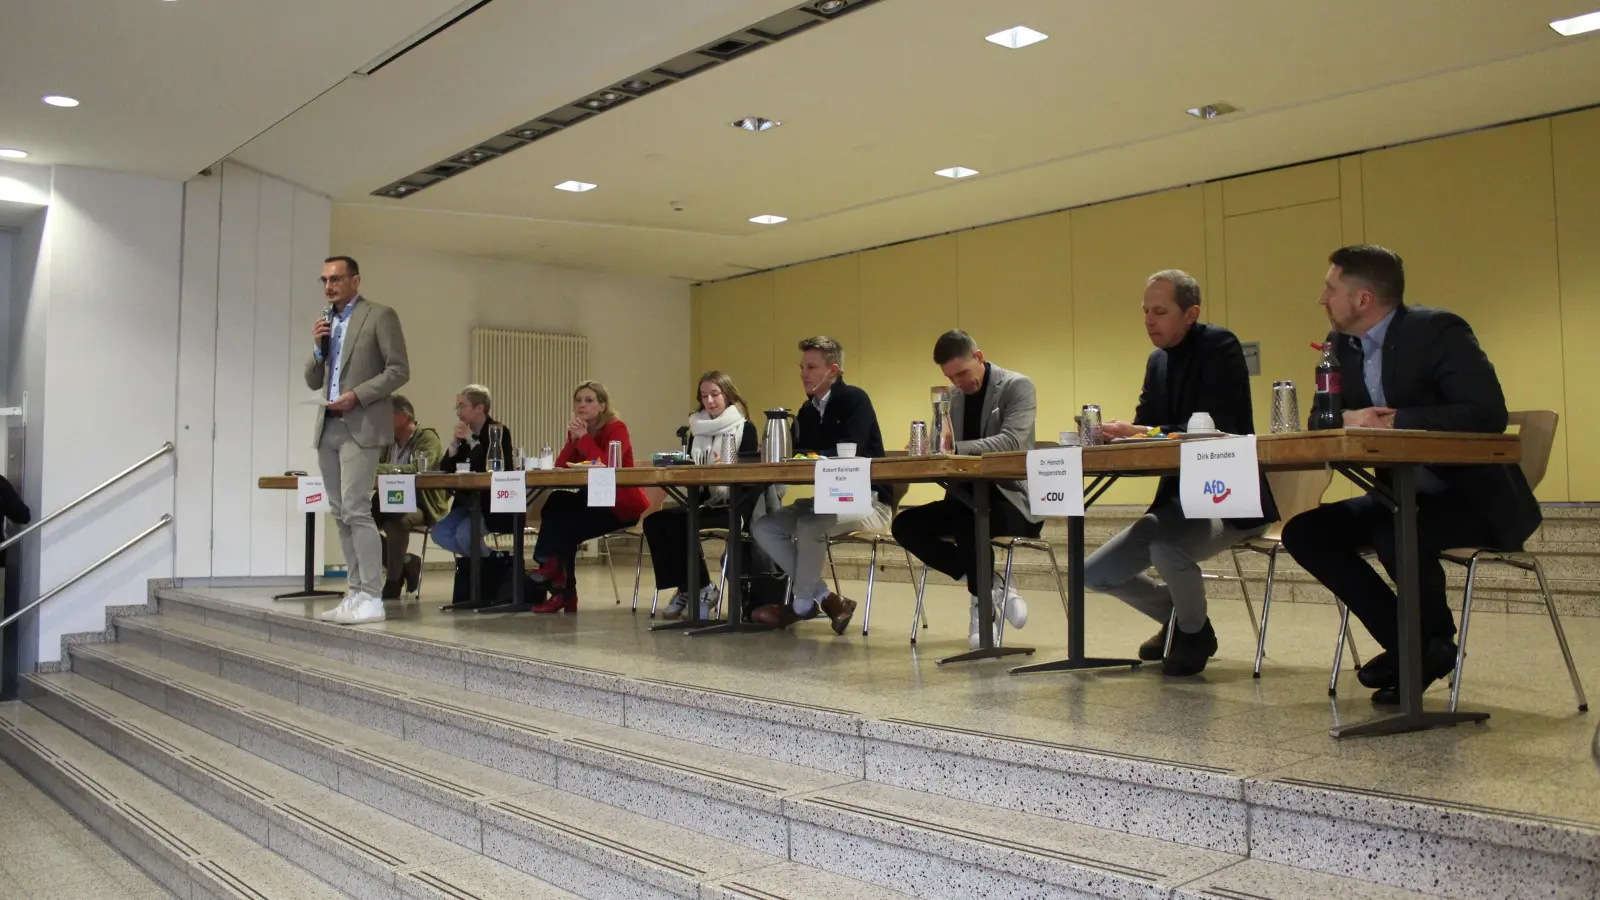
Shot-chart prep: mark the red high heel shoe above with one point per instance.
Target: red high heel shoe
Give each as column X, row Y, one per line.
column 551, row 573
column 564, row 602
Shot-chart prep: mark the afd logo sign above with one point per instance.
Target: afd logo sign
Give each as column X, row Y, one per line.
column 1217, row 490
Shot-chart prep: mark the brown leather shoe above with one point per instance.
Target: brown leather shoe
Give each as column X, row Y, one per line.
column 774, row 615
column 839, row 611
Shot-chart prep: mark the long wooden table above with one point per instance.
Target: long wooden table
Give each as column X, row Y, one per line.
column 1349, row 452
column 962, row 475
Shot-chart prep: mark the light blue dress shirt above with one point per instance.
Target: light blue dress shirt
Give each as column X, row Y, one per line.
column 341, row 320
column 1372, row 358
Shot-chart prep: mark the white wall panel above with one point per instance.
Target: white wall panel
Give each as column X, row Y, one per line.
column 197, row 367
column 312, row 222
column 269, row 510
column 233, row 489
column 111, row 353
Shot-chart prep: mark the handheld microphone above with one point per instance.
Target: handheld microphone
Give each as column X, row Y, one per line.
column 327, row 316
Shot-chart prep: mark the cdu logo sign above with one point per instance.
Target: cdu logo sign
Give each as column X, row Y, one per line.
column 1217, row 490
column 1054, row 495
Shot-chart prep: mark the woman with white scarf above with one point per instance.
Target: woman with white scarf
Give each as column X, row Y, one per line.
column 721, row 411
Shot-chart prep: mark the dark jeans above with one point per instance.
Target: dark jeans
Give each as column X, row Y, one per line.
column 567, row 521
column 1327, row 542
column 923, row 530
column 667, row 531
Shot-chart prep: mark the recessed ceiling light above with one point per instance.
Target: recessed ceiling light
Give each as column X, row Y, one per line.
column 1016, row 37
column 58, row 100
column 768, row 220
column 1212, row 110
column 1577, row 24
column 755, row 123
column 637, row 84
column 956, row 172
column 8, row 153
column 829, row 7
column 576, row 187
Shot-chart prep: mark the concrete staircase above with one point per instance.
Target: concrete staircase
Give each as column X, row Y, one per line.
column 237, row 752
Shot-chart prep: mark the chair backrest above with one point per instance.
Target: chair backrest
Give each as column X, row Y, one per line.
column 1296, row 492
column 1537, row 428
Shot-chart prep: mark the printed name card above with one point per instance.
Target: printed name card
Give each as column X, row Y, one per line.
column 508, row 492
column 313, row 495
column 397, row 493
column 602, row 486
column 1055, row 481
column 843, row 486
column 1220, row 479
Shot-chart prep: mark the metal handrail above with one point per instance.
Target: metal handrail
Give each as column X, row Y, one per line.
column 165, row 449
column 166, row 519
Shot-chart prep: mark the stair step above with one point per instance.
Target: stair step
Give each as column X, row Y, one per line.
column 721, row 793
column 857, row 830
column 588, row 847
column 866, row 829
column 188, row 852
column 341, row 838
column 1231, row 805
column 1254, row 879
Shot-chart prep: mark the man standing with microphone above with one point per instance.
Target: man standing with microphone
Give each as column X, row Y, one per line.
column 358, row 359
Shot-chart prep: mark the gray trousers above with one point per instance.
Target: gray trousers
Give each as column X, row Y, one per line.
column 796, row 538
column 1175, row 546
column 349, row 472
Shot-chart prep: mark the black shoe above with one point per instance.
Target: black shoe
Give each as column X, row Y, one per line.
column 1438, row 660
column 391, row 590
column 1155, row 648
column 1190, row 651
column 412, row 571
column 1381, row 671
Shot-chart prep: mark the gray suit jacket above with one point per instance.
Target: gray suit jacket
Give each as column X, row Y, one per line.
column 1011, row 407
column 374, row 365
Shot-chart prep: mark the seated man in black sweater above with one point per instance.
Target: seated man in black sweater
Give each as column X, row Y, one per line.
column 1195, row 368
column 1416, row 368
column 796, row 537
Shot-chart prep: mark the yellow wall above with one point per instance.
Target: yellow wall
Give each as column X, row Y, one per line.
column 1501, row 226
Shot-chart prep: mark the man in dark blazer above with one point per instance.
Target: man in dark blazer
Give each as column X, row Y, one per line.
column 1417, row 368
column 993, row 412
column 1194, row 368
column 796, row 536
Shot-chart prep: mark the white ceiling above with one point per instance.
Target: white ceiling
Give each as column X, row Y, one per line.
column 872, row 104
column 167, row 88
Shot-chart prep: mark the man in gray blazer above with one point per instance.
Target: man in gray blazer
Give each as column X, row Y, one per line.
column 994, row 412
column 358, row 359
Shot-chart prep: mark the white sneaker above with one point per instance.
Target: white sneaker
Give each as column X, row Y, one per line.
column 710, row 596
column 365, row 610
column 1013, row 607
column 333, row 615
column 972, row 630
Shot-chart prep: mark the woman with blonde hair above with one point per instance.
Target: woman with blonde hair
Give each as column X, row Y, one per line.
column 568, row 520
column 720, row 411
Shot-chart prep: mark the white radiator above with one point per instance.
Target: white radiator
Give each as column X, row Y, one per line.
column 530, row 377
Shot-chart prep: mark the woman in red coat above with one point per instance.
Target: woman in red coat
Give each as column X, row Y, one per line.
column 568, row 520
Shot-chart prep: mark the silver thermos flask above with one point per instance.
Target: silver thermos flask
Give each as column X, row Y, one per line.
column 941, row 437
column 775, row 444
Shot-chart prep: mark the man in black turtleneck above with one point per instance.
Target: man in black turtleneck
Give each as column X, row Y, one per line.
column 1195, row 368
